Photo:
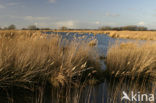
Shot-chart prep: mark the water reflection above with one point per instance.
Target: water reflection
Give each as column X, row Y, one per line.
column 110, row 91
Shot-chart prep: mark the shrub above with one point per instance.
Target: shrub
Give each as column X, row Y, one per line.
column 33, row 27
column 11, row 27
column 64, row 28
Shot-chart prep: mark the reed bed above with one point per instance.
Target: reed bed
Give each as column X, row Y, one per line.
column 132, row 60
column 82, row 31
column 47, row 68
column 140, row 35
column 31, row 57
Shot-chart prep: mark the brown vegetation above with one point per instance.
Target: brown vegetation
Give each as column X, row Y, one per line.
column 30, row 57
column 132, row 60
column 141, row 35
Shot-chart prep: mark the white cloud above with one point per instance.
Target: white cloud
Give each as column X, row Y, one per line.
column 69, row 24
column 2, row 6
column 36, row 24
column 52, row 1
column 142, row 23
column 43, row 24
column 31, row 18
column 97, row 23
column 111, row 14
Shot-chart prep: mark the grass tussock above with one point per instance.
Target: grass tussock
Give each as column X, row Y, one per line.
column 31, row 57
column 132, row 60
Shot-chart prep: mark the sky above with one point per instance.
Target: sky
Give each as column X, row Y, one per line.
column 80, row 14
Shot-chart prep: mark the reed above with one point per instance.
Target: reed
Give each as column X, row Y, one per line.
column 140, row 35
column 134, row 60
column 32, row 57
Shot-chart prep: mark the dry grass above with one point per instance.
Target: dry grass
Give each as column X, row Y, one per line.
column 82, row 31
column 31, row 57
column 132, row 60
column 141, row 35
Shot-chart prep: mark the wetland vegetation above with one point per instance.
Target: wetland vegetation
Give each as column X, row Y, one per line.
column 48, row 68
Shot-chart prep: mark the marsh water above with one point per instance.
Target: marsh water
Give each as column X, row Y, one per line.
column 109, row 91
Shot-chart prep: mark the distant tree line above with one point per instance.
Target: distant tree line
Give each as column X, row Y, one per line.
column 10, row 27
column 34, row 27
column 130, row 28
column 31, row 27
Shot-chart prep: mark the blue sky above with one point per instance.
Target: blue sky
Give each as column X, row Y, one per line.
column 78, row 13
